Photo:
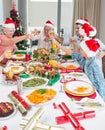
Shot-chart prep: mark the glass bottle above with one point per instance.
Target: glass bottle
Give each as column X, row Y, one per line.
column 19, row 86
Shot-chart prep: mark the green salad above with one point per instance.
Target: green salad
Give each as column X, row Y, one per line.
column 34, row 82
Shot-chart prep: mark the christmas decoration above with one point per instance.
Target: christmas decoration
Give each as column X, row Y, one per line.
column 15, row 17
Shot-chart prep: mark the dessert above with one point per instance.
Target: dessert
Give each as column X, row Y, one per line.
column 6, row 109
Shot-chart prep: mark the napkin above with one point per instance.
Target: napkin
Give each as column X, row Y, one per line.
column 70, row 70
column 54, row 80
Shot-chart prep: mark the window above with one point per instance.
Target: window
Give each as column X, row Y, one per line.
column 40, row 11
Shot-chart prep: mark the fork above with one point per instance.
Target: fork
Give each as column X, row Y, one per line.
column 61, row 89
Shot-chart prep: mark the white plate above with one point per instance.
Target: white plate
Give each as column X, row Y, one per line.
column 33, row 87
column 76, row 75
column 10, row 116
column 18, row 56
column 34, row 63
column 41, row 103
column 73, row 65
column 15, row 71
column 79, row 88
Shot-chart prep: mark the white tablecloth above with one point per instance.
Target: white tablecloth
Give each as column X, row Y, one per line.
column 13, row 123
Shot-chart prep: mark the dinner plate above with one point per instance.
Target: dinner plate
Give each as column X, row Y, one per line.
column 34, row 63
column 41, row 96
column 33, row 82
column 71, row 65
column 18, row 56
column 15, row 68
column 74, row 75
column 79, row 88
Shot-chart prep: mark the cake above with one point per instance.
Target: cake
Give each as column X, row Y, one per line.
column 6, row 109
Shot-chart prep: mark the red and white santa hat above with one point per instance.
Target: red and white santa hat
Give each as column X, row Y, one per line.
column 91, row 47
column 87, row 30
column 10, row 24
column 93, row 33
column 81, row 21
column 49, row 24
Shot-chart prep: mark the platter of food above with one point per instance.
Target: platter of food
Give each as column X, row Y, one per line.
column 18, row 56
column 34, row 82
column 7, row 110
column 15, row 69
column 79, row 88
column 71, row 65
column 41, row 96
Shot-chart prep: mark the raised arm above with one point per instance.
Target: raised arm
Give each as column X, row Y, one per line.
column 8, row 41
column 68, row 51
column 19, row 38
column 75, row 44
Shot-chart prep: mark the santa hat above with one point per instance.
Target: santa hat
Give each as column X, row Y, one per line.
column 82, row 21
column 92, row 33
column 87, row 30
column 9, row 23
column 91, row 47
column 9, row 26
column 49, row 24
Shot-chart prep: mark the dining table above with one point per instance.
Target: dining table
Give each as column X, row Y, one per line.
column 53, row 115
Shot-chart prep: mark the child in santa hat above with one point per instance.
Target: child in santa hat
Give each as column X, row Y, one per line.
column 88, row 61
column 89, row 32
column 89, row 50
column 44, row 37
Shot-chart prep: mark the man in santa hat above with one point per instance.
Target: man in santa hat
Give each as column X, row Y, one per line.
column 78, row 24
column 45, row 37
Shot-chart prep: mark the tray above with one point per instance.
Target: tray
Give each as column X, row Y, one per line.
column 34, row 86
column 41, row 98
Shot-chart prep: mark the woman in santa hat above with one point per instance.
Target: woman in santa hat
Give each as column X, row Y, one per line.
column 44, row 38
column 7, row 41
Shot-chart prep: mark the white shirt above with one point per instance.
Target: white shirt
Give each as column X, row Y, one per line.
column 42, row 43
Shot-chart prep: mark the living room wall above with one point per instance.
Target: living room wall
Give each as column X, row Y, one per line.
column 5, row 6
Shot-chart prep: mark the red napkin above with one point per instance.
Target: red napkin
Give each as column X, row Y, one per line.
column 78, row 98
column 70, row 70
